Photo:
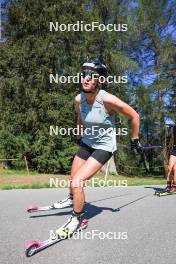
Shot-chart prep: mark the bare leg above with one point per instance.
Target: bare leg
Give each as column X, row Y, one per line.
column 174, row 173
column 76, row 165
column 172, row 162
column 86, row 171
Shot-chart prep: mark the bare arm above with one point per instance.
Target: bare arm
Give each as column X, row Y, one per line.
column 79, row 121
column 117, row 105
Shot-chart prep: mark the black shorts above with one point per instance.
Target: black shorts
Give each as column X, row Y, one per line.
column 102, row 156
column 173, row 151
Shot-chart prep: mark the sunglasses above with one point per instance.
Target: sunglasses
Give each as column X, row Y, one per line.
column 89, row 73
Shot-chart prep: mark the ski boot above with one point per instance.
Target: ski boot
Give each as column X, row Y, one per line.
column 71, row 226
column 67, row 202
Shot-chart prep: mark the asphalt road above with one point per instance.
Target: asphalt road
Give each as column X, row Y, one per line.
column 143, row 227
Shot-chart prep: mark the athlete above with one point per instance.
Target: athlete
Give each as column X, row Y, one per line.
column 171, row 178
column 96, row 111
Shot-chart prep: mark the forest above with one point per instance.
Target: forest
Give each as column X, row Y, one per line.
column 30, row 54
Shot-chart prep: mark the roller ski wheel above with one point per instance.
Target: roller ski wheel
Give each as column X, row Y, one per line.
column 31, row 248
column 163, row 193
column 35, row 246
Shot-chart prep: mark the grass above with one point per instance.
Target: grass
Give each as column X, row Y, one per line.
column 16, row 173
column 19, row 179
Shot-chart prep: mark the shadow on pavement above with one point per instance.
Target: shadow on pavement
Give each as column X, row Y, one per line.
column 134, row 201
column 156, row 189
column 93, row 210
column 111, row 197
column 97, row 211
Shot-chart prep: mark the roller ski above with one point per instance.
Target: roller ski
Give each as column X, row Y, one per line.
column 169, row 190
column 68, row 202
column 72, row 226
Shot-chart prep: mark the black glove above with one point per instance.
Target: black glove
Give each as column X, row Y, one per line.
column 78, row 141
column 136, row 145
